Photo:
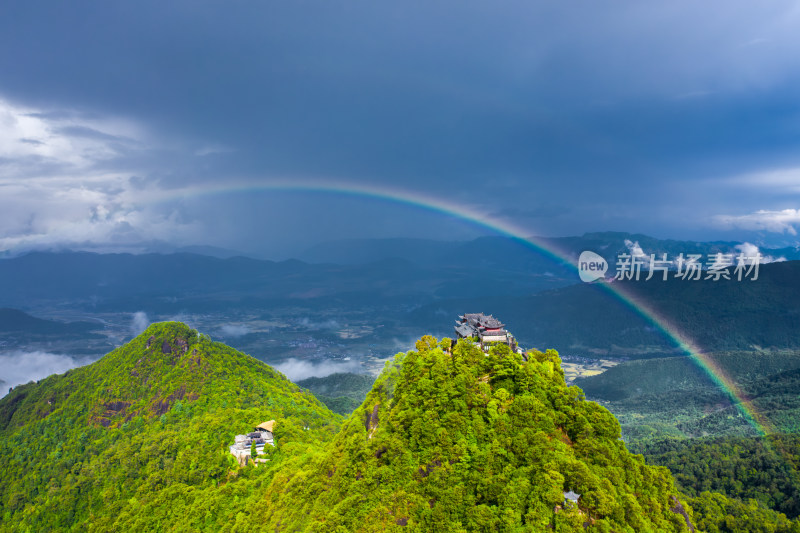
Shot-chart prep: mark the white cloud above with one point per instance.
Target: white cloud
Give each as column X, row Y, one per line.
column 69, row 179
column 634, row 248
column 751, row 250
column 747, row 249
column 296, row 369
column 66, row 140
column 20, row 367
column 234, row 330
column 139, row 322
column 783, row 221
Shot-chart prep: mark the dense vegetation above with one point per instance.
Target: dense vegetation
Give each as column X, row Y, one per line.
column 341, row 392
column 673, row 397
column 461, row 441
column 762, row 469
column 715, row 513
column 138, row 440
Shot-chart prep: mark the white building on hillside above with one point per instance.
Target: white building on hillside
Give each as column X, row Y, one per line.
column 261, row 436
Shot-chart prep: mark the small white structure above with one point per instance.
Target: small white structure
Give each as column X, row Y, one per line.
column 261, row 436
column 571, row 496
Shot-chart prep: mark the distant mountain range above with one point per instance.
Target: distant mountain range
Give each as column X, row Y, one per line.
column 508, row 251
column 426, row 285
column 583, row 319
column 414, row 270
column 125, row 282
column 15, row 321
column 21, row 331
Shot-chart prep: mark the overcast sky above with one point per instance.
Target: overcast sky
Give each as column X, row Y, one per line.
column 677, row 119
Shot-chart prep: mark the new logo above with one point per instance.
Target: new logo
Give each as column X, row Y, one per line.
column 591, row 266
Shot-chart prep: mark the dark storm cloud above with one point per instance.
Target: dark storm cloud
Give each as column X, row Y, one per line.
column 635, row 116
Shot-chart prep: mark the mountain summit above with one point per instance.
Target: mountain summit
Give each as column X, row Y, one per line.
column 453, row 439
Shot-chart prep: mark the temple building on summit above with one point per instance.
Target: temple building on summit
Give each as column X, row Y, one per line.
column 485, row 329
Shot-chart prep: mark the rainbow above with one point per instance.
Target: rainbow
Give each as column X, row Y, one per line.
column 704, row 361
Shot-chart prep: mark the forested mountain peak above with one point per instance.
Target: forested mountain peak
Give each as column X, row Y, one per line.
column 168, row 363
column 140, row 437
column 453, row 439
